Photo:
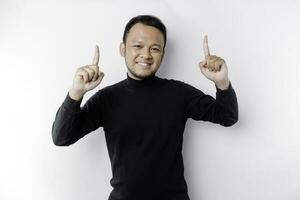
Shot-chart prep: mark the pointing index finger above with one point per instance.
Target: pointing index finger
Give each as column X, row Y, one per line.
column 96, row 56
column 205, row 47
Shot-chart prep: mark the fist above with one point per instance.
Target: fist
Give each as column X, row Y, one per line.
column 212, row 62
column 213, row 67
column 89, row 76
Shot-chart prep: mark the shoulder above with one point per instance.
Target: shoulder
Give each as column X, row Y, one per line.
column 112, row 87
column 110, row 92
column 185, row 88
column 178, row 84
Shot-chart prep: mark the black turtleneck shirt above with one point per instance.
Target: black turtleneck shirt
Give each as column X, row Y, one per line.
column 143, row 122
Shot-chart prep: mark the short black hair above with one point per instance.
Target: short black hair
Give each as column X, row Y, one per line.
column 149, row 20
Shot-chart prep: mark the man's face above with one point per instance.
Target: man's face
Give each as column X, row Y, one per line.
column 143, row 51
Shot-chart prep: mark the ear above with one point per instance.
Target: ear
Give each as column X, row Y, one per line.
column 122, row 49
column 163, row 54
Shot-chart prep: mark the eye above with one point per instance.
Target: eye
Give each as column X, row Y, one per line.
column 156, row 49
column 137, row 46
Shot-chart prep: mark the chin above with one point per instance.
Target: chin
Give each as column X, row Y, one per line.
column 140, row 72
column 142, row 75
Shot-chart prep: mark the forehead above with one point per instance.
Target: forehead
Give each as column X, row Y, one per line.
column 145, row 33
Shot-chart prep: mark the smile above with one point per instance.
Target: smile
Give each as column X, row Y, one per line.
column 144, row 64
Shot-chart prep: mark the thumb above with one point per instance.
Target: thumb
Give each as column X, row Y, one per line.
column 91, row 85
column 100, row 77
column 202, row 65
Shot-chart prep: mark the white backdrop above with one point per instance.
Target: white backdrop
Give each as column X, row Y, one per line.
column 42, row 43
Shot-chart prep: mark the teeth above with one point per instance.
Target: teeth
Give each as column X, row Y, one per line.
column 143, row 64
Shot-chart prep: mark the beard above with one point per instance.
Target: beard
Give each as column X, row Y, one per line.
column 141, row 76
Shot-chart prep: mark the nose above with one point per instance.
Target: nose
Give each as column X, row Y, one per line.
column 145, row 54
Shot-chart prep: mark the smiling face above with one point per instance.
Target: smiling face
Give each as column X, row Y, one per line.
column 143, row 51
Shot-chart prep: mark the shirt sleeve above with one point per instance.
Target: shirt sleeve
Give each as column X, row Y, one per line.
column 222, row 110
column 72, row 122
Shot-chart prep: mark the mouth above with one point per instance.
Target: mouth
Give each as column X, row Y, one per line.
column 144, row 64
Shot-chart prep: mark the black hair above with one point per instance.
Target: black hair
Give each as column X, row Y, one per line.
column 149, row 20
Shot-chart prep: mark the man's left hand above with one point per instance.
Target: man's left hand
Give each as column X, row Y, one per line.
column 214, row 68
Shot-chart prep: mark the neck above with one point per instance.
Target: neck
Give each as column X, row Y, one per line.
column 145, row 82
column 133, row 77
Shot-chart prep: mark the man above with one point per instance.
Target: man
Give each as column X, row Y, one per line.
column 143, row 116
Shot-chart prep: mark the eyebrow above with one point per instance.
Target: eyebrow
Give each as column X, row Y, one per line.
column 140, row 41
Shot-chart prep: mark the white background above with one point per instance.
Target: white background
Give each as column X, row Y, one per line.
column 42, row 43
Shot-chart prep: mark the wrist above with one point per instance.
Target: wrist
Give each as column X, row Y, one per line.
column 75, row 95
column 223, row 85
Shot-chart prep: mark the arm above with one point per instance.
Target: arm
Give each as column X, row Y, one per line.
column 222, row 110
column 72, row 122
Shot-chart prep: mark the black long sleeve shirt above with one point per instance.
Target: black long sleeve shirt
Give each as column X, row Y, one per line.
column 143, row 122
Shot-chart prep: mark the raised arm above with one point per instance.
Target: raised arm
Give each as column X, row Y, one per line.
column 71, row 121
column 200, row 106
column 222, row 110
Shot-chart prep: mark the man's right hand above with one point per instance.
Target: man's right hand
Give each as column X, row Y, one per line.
column 86, row 78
